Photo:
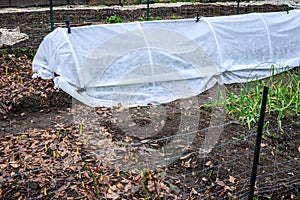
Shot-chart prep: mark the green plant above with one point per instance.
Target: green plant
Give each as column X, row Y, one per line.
column 6, row 71
column 283, row 98
column 147, row 177
column 32, row 53
column 297, row 191
column 141, row 18
column 94, row 180
column 4, row 52
column 29, row 52
column 80, row 128
column 113, row 19
column 174, row 17
column 269, row 134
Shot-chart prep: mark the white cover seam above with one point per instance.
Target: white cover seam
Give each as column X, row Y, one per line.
column 268, row 33
column 74, row 56
column 215, row 38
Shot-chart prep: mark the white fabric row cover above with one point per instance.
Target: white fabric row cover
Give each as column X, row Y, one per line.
column 159, row 61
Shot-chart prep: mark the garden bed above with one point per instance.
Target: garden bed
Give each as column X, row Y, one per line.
column 43, row 154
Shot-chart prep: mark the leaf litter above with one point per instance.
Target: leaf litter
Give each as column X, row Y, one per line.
column 50, row 162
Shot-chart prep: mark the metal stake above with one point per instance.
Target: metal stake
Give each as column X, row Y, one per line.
column 260, row 127
column 148, row 10
column 51, row 15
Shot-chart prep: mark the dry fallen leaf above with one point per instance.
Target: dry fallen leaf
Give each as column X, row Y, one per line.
column 291, row 173
column 14, row 164
column 221, row 183
column 207, row 191
column 17, row 194
column 114, row 188
column 27, row 156
column 2, row 166
column 187, row 164
column 232, row 179
column 186, row 156
column 209, row 164
column 128, row 186
column 120, row 186
column 263, row 145
column 194, row 191
column 53, row 146
column 222, row 193
column 112, row 195
column 204, row 179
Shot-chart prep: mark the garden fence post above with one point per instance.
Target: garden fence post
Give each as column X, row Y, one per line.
column 68, row 26
column 148, row 10
column 260, row 126
column 51, row 15
column 238, row 7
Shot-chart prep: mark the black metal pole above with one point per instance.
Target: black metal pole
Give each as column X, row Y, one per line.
column 148, row 10
column 260, row 127
column 51, row 15
column 68, row 26
column 238, row 7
